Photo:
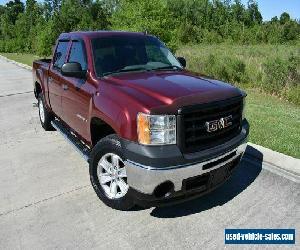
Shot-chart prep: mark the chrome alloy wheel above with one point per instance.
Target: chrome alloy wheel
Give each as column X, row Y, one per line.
column 42, row 111
column 112, row 176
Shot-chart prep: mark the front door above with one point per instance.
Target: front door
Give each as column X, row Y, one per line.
column 77, row 94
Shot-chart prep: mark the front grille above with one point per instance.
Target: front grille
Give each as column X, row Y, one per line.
column 193, row 132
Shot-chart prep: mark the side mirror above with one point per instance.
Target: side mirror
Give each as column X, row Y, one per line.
column 182, row 61
column 73, row 69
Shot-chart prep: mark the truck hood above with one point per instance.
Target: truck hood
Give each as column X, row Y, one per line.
column 166, row 91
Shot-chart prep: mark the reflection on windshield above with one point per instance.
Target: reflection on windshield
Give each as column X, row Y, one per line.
column 118, row 54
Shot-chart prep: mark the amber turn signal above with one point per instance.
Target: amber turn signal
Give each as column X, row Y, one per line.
column 143, row 128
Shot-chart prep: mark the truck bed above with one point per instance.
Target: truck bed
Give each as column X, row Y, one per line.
column 40, row 74
column 44, row 62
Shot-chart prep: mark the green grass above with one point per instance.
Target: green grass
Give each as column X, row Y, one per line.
column 22, row 58
column 253, row 56
column 275, row 123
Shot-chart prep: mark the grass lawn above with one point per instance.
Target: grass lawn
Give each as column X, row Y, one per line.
column 22, row 58
column 275, row 123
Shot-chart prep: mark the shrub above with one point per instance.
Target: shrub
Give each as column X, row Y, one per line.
column 294, row 69
column 280, row 74
column 274, row 69
column 230, row 69
column 275, row 75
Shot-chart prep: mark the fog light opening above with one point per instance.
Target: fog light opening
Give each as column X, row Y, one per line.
column 164, row 189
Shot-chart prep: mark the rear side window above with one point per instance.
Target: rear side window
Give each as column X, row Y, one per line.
column 60, row 54
column 77, row 54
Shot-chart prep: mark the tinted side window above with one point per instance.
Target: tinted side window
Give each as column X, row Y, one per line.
column 60, row 54
column 155, row 54
column 77, row 54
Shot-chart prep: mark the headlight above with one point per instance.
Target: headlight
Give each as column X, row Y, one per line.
column 156, row 129
column 244, row 108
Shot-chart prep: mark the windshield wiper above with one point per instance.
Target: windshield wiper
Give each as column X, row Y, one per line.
column 168, row 67
column 124, row 70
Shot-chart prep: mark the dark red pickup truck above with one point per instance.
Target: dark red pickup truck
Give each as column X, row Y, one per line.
column 152, row 132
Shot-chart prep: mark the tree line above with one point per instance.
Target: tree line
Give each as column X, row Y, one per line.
column 33, row 27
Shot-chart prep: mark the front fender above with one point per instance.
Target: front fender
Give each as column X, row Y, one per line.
column 106, row 110
column 118, row 110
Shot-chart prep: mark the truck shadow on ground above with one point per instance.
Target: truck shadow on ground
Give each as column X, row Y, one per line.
column 242, row 177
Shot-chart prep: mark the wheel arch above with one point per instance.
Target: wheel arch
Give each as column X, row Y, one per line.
column 37, row 89
column 100, row 129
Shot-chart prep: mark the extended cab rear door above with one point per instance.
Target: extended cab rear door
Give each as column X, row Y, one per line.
column 55, row 78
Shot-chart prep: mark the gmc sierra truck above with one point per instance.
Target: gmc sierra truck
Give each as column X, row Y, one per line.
column 152, row 132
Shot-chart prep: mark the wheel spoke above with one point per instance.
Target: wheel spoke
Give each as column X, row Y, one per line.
column 104, row 178
column 106, row 165
column 123, row 186
column 106, row 189
column 115, row 161
column 113, row 188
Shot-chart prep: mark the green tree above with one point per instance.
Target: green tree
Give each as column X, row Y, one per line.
column 152, row 16
column 13, row 9
column 284, row 18
column 8, row 18
column 35, row 28
column 291, row 31
column 238, row 11
column 274, row 19
column 253, row 14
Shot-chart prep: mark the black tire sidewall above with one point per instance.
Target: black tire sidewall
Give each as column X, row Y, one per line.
column 109, row 144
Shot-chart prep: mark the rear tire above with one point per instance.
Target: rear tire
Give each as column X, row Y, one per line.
column 108, row 174
column 45, row 116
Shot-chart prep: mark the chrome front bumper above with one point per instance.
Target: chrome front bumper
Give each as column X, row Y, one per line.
column 145, row 178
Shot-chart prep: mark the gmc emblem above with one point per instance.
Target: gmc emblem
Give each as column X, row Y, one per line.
column 216, row 125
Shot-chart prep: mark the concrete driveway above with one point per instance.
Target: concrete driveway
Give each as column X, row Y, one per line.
column 46, row 200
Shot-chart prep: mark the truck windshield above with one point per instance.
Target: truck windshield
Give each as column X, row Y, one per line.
column 117, row 54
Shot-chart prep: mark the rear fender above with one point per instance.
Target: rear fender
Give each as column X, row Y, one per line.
column 42, row 81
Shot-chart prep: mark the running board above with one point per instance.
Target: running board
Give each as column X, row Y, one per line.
column 79, row 146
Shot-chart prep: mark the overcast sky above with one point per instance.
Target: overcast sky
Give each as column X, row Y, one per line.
column 268, row 8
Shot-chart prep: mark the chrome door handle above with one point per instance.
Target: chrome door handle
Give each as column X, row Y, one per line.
column 65, row 87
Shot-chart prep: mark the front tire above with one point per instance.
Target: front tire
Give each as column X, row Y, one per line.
column 45, row 116
column 108, row 174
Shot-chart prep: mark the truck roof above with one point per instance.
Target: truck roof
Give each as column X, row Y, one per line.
column 94, row 34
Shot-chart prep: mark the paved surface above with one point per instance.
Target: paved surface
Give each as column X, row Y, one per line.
column 46, row 200
column 285, row 164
